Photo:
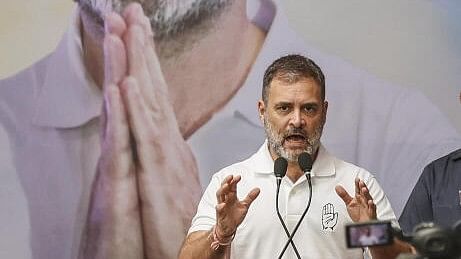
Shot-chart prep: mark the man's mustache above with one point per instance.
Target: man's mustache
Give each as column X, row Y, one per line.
column 296, row 131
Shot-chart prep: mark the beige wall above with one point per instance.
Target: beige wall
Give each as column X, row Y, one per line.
column 29, row 29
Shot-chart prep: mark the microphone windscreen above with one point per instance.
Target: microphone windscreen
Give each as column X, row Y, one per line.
column 305, row 162
column 280, row 167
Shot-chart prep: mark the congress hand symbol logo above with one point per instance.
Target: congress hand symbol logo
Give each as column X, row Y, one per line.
column 329, row 217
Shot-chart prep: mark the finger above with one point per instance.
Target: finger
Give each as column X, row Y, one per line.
column 117, row 136
column 115, row 62
column 342, row 193
column 366, row 192
column 148, row 141
column 134, row 16
column 227, row 179
column 137, row 67
column 114, row 71
column 222, row 192
column 251, row 196
column 372, row 209
column 234, row 181
column 357, row 186
column 116, row 118
column 114, row 24
column 224, row 189
column 219, row 196
column 231, row 194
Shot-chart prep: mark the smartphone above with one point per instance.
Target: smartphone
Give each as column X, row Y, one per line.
column 372, row 233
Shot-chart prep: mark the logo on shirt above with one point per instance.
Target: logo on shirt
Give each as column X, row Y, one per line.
column 329, row 217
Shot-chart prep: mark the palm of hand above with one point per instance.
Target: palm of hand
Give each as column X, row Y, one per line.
column 358, row 211
column 232, row 215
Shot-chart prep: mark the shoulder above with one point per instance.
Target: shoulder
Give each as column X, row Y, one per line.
column 441, row 167
column 352, row 170
column 238, row 168
column 453, row 157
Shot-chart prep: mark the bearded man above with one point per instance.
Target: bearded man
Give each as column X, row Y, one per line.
column 241, row 222
column 211, row 55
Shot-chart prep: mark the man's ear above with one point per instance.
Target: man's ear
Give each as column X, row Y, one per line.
column 325, row 109
column 261, row 110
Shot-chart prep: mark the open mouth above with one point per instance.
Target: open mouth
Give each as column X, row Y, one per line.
column 295, row 139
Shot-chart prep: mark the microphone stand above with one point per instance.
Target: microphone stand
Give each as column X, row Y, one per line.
column 281, row 220
column 308, row 176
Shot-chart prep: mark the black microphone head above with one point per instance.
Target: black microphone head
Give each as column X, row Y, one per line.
column 280, row 167
column 305, row 162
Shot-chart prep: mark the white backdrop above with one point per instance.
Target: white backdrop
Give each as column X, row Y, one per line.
column 410, row 43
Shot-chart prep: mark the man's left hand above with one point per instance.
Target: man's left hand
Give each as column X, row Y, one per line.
column 361, row 207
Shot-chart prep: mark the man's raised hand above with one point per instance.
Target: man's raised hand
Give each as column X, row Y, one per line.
column 360, row 207
column 230, row 211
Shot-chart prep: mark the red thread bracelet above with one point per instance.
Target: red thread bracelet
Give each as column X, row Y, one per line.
column 216, row 242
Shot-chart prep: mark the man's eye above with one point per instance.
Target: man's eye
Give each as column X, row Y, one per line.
column 310, row 109
column 283, row 108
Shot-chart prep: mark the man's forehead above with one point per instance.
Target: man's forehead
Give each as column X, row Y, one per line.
column 281, row 87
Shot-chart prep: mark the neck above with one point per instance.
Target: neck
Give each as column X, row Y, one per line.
column 204, row 77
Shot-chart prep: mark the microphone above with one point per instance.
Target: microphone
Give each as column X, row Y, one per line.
column 305, row 163
column 280, row 169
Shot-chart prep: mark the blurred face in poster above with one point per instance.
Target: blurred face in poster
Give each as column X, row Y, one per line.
column 294, row 116
column 171, row 20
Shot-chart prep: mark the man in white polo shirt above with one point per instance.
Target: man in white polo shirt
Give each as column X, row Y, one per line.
column 293, row 110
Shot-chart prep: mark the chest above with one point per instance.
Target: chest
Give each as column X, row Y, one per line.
column 321, row 234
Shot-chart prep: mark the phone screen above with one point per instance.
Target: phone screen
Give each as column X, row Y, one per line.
column 373, row 233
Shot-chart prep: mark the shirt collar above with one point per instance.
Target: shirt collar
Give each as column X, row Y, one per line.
column 262, row 162
column 68, row 97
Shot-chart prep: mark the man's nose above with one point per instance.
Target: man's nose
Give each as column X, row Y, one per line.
column 297, row 119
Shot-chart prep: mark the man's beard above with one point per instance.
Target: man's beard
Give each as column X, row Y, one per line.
column 276, row 141
column 175, row 23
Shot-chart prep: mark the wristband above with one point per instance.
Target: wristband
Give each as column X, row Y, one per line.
column 216, row 241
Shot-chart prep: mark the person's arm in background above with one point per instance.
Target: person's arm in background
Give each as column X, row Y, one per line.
column 230, row 213
column 419, row 206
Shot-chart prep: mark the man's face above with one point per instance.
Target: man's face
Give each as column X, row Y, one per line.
column 293, row 117
column 168, row 17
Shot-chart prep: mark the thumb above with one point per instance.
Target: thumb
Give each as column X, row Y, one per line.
column 342, row 193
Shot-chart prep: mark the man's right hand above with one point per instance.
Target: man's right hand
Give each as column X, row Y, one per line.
column 230, row 212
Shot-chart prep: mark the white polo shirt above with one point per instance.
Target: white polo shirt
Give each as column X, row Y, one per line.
column 261, row 235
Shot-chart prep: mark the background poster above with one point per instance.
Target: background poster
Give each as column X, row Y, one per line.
column 412, row 45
